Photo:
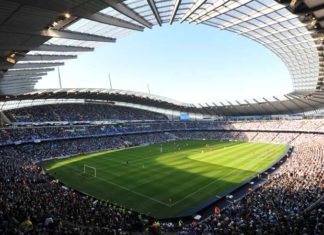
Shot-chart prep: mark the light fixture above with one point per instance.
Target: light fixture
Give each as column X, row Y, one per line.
column 293, row 3
column 321, row 38
column 313, row 23
column 67, row 15
column 11, row 58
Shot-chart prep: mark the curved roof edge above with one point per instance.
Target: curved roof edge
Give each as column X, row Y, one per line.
column 293, row 102
column 37, row 36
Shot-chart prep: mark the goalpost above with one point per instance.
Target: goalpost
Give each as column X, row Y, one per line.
column 87, row 169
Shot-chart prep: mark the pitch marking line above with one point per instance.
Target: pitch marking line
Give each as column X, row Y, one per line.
column 156, row 200
column 127, row 189
column 217, row 179
column 138, row 165
column 140, row 194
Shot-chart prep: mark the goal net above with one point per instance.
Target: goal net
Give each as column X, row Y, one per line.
column 89, row 170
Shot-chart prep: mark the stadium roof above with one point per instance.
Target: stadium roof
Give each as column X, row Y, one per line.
column 38, row 35
column 292, row 103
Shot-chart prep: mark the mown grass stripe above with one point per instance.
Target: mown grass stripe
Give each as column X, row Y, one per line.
column 168, row 183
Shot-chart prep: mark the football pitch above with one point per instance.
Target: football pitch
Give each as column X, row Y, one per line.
column 165, row 179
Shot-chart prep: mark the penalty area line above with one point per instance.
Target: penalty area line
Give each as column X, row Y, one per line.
column 125, row 188
column 132, row 191
column 212, row 182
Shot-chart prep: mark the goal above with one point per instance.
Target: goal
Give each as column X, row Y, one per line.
column 89, row 170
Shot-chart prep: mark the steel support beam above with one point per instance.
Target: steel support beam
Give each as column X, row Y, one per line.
column 301, row 100
column 219, row 109
column 271, row 104
column 17, row 82
column 125, row 10
column 155, row 11
column 317, row 100
column 44, row 47
column 234, row 107
column 23, row 76
column 230, row 24
column 226, row 109
column 252, row 106
column 263, row 109
column 175, row 10
column 52, row 33
column 4, row 65
column 210, row 108
column 75, row 35
column 40, row 57
column 7, row 80
column 283, row 104
column 301, row 109
column 28, row 72
column 17, row 90
column 194, row 8
column 59, row 6
column 205, row 111
column 13, row 81
column 16, row 86
column 105, row 19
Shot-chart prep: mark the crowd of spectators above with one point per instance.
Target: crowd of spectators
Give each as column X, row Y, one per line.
column 23, row 134
column 38, row 151
column 300, row 125
column 280, row 205
column 33, row 202
column 10, row 135
column 79, row 112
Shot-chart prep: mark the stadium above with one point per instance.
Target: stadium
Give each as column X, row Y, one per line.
column 113, row 161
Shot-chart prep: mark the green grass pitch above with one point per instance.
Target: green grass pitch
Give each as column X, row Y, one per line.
column 167, row 183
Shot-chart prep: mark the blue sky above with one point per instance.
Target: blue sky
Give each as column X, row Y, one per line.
column 189, row 63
